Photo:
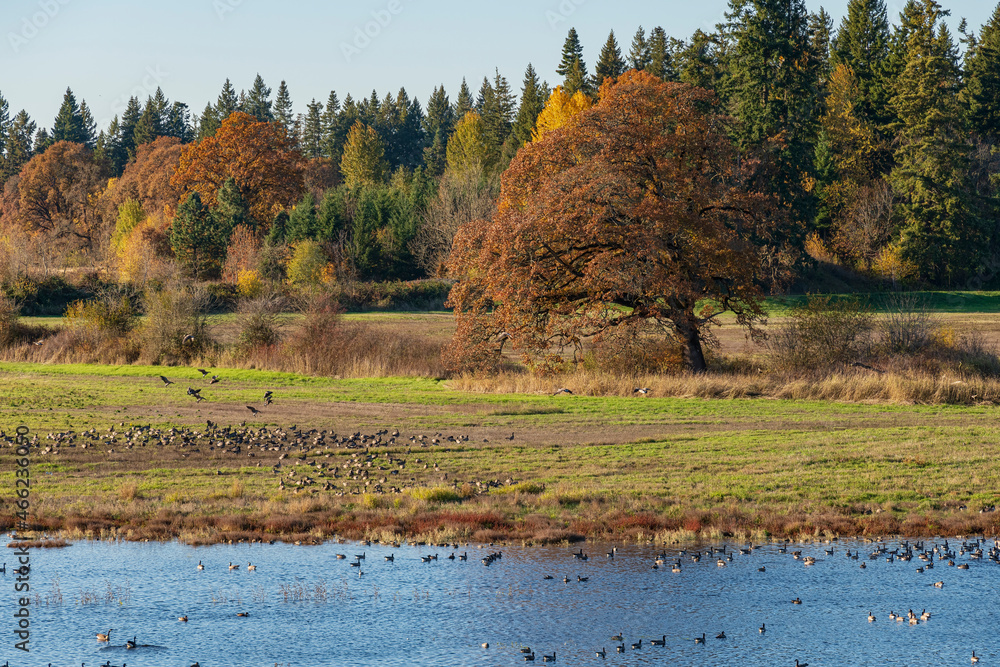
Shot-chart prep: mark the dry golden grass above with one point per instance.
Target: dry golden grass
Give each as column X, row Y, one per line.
column 857, row 386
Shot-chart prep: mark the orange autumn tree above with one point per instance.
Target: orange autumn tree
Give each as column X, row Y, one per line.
column 260, row 157
column 636, row 213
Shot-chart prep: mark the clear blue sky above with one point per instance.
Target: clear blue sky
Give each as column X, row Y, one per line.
column 107, row 50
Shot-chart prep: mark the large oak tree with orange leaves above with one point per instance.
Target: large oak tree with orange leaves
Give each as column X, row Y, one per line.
column 259, row 156
column 638, row 210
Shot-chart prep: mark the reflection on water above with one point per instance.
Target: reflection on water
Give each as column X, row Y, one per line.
column 306, row 607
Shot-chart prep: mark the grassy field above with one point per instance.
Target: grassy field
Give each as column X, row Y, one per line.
column 611, row 467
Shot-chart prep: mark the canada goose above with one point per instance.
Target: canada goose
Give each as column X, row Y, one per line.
column 801, row 664
column 183, row 619
column 166, row 382
column 203, row 372
column 637, row 645
column 938, row 584
column 362, row 556
column 925, row 615
column 200, row 566
column 762, row 629
column 617, row 638
column 525, row 649
column 565, row 579
column 974, row 658
column 464, row 556
column 233, row 567
column 242, row 613
column 602, row 653
column 254, row 411
column 215, row 378
column 675, row 568
column 452, row 556
column 963, row 566
column 871, row 617
column 423, row 559
column 761, row 569
column 913, row 620
column 579, row 578
column 549, row 658
column 863, row 566
column 341, row 556
column 485, row 644
column 892, row 616
column 130, row 643
column 250, row 567
column 390, row 558
column 529, row 657
column 620, row 648
column 796, row 601
column 103, row 637
column 659, row 642
column 700, row 640
column 641, row 390
column 564, row 390
column 548, row 576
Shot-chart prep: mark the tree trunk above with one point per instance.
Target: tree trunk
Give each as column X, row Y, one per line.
column 694, row 356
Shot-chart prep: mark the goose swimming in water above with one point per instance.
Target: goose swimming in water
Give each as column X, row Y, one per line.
column 602, row 653
column 700, row 640
column 200, row 566
column 617, row 638
column 659, row 642
column 130, row 643
column 103, row 637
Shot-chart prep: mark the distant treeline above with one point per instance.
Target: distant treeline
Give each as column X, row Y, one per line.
column 879, row 136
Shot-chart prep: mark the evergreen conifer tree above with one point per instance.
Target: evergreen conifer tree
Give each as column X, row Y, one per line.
column 862, row 43
column 572, row 52
column 312, row 130
column 638, row 56
column 283, row 113
column 983, row 81
column 227, row 103
column 258, row 101
column 464, row 103
column 609, row 63
column 533, row 97
column 943, row 232
column 775, row 88
column 17, row 152
column 69, row 123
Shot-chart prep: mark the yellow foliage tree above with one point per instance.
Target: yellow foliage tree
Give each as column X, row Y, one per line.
column 363, row 162
column 558, row 110
column 467, row 150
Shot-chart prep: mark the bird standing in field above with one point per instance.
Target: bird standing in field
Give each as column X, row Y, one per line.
column 166, row 382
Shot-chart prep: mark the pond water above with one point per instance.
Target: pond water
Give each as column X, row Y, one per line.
column 308, row 608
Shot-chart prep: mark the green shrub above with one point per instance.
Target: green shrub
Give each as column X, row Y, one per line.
column 822, row 333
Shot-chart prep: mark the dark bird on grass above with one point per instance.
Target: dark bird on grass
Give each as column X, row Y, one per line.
column 511, row 436
column 215, row 378
column 166, row 382
column 253, row 410
column 564, row 390
column 641, row 390
column 203, row 372
column 188, row 339
column 268, row 394
column 194, row 392
column 267, row 400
